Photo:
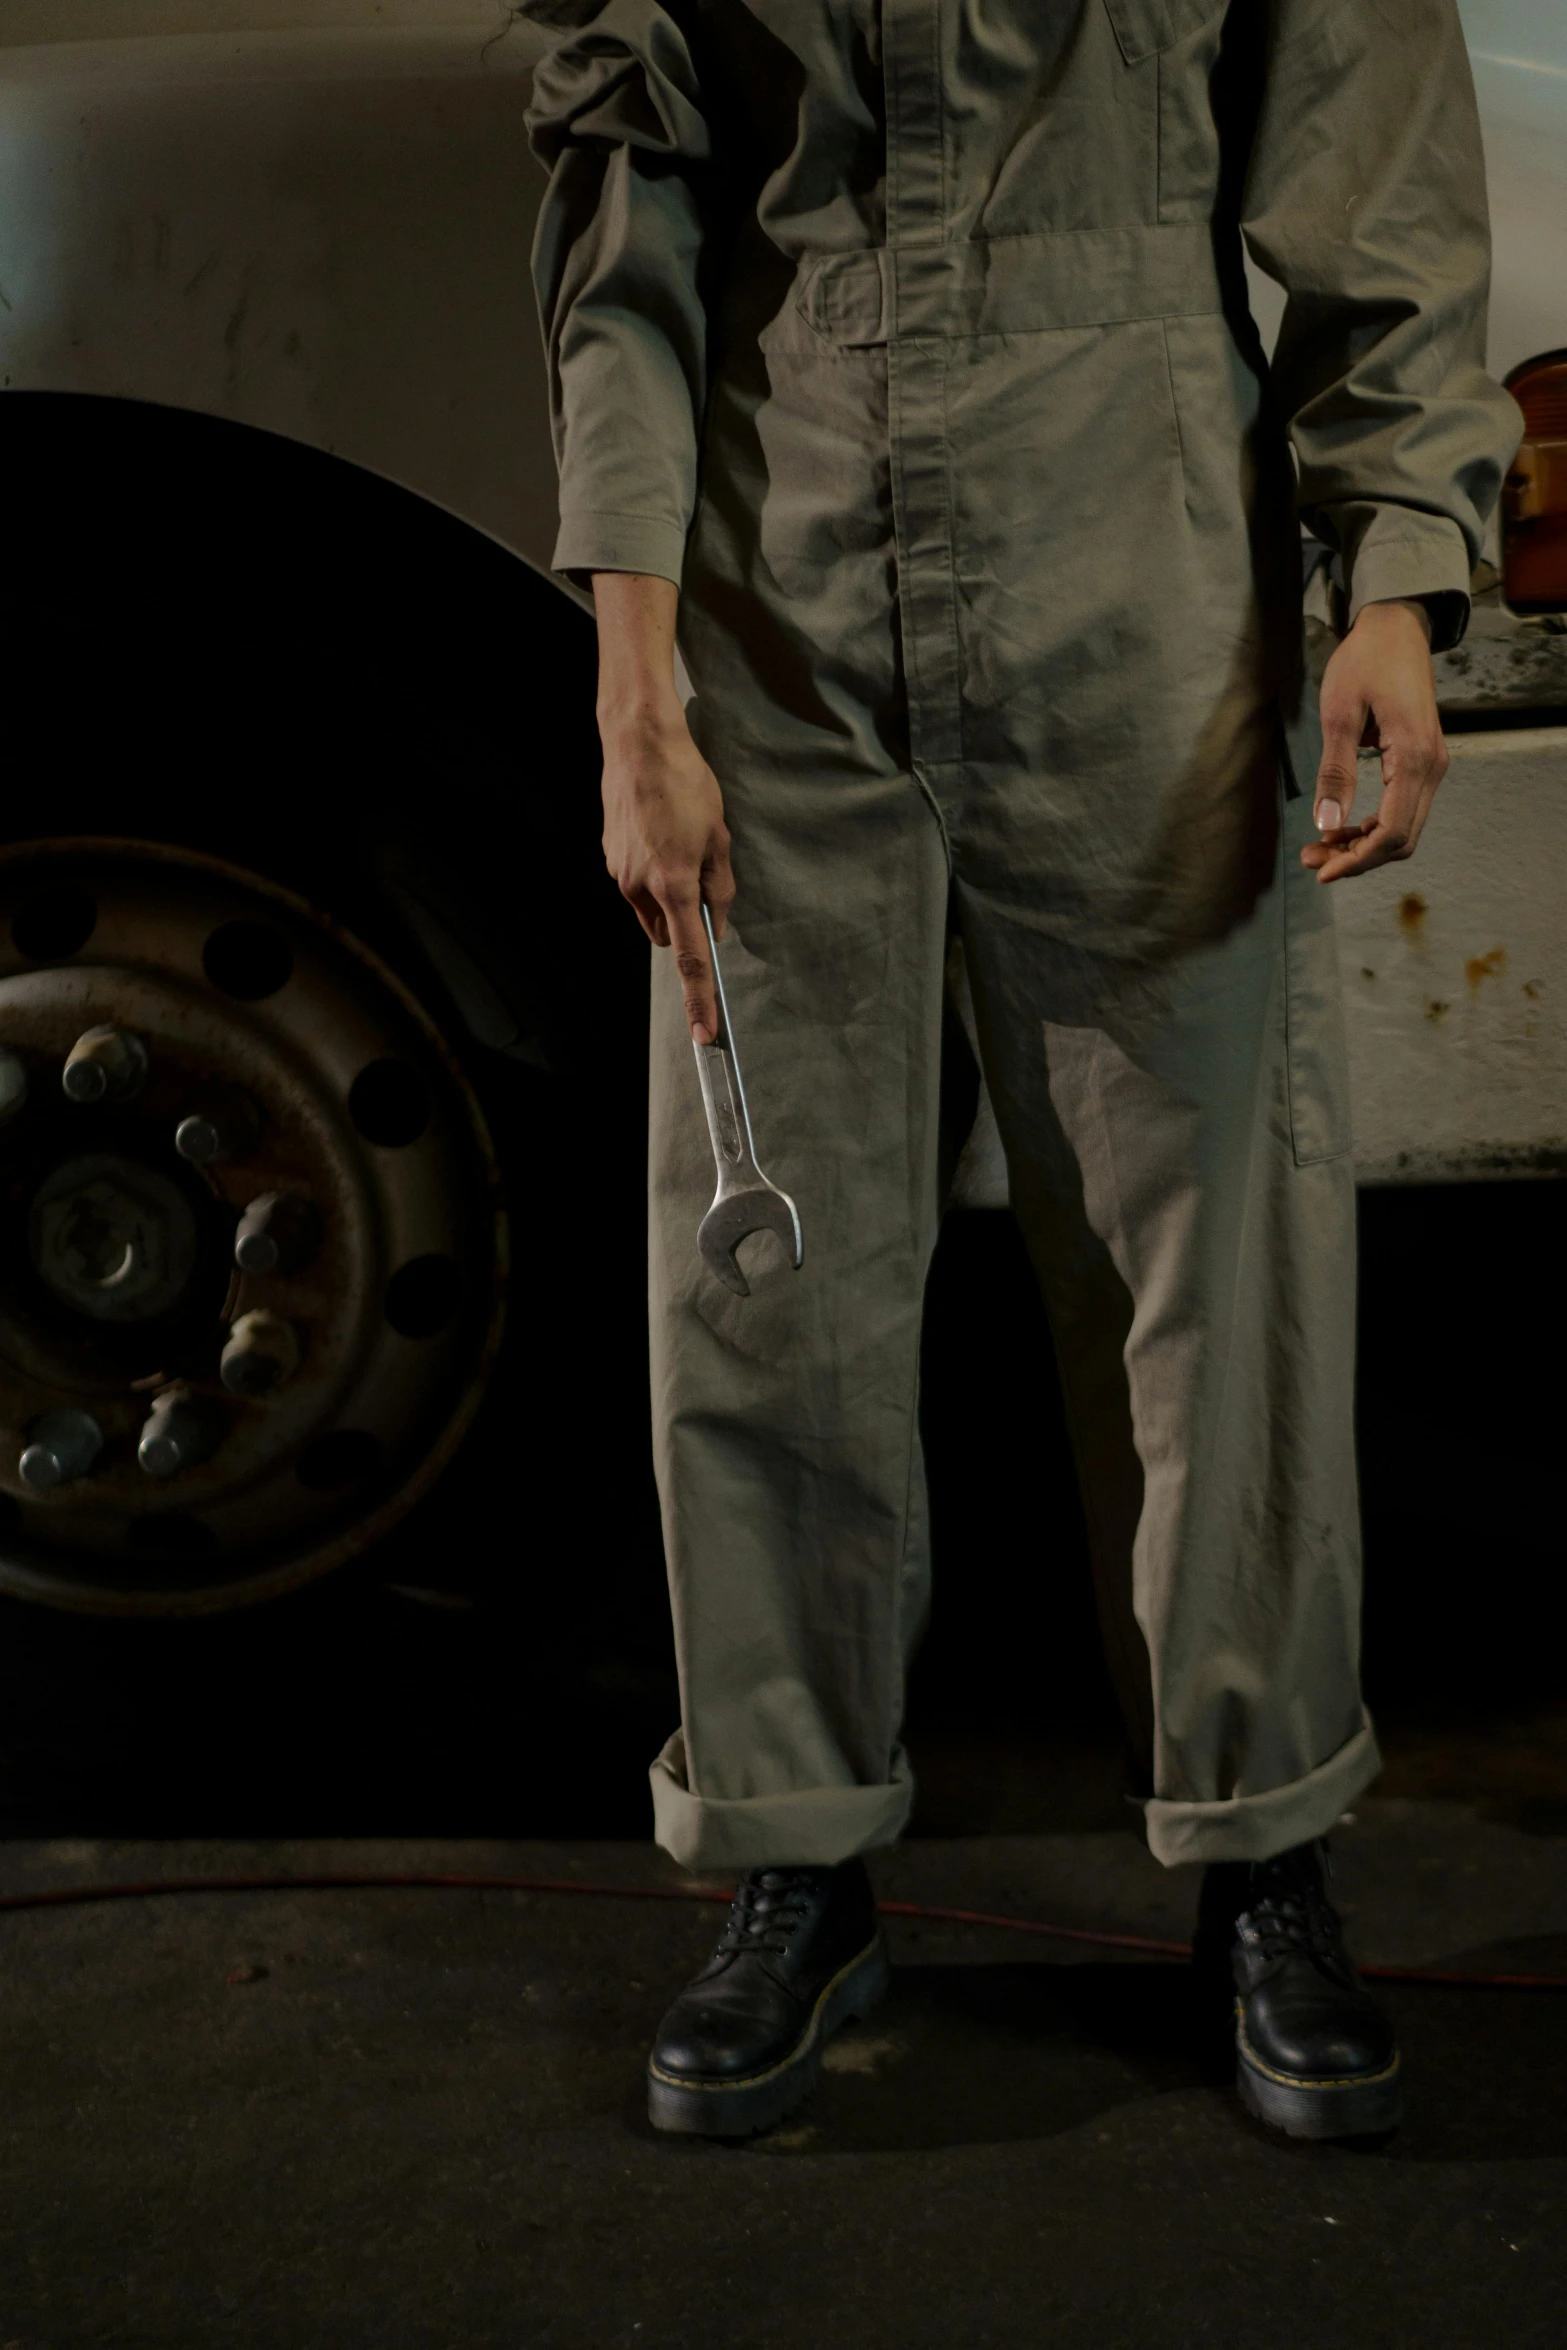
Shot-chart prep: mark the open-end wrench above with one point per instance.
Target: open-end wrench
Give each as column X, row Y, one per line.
column 745, row 1202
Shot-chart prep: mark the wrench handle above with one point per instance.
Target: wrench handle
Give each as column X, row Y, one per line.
column 745, row 1201
column 723, row 1088
column 718, row 977
column 723, row 1103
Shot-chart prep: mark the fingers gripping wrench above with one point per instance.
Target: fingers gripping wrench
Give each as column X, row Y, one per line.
column 745, row 1202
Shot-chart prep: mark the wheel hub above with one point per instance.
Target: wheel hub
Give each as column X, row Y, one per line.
column 250, row 1244
column 111, row 1239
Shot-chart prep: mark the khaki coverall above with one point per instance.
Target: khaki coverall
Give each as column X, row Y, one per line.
column 912, row 339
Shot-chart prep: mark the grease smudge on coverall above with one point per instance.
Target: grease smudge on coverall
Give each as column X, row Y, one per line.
column 912, row 340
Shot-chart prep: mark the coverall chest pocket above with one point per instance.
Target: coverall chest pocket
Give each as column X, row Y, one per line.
column 1144, row 27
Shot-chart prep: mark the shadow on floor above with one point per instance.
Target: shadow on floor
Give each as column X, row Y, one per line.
column 985, row 2055
column 988, row 2055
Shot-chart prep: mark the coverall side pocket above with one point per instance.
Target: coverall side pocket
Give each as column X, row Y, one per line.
column 1316, row 1045
column 1144, row 27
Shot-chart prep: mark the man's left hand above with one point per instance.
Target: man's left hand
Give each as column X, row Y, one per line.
column 1379, row 695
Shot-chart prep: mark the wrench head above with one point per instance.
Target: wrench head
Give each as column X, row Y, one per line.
column 733, row 1217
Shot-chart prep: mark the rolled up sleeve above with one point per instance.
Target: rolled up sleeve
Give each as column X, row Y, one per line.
column 1365, row 200
column 616, row 120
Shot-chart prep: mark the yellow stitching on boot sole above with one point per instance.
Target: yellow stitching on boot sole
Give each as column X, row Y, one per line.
column 1298, row 2080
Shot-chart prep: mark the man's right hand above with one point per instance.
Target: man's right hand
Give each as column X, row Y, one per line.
column 665, row 840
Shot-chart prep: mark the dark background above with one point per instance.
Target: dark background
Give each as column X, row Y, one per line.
column 219, row 638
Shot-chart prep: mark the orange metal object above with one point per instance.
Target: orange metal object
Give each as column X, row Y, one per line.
column 1534, row 500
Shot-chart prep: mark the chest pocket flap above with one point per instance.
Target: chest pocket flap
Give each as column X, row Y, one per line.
column 1143, row 27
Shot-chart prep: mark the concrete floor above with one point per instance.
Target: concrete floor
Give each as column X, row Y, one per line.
column 411, row 2119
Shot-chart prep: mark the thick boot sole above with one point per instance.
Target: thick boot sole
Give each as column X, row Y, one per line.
column 1365, row 2105
column 738, row 2109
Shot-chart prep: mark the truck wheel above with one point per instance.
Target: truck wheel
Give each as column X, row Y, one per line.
column 252, row 1242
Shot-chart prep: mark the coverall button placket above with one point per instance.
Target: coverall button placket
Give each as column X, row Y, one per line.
column 916, row 371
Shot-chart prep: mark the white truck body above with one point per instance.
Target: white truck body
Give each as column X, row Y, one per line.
column 313, row 217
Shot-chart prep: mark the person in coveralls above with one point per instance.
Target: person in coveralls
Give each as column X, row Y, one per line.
column 902, row 368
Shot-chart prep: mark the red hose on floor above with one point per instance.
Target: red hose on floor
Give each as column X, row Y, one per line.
column 926, row 1913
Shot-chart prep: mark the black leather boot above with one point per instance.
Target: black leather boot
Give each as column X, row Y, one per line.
column 1315, row 2054
column 800, row 1954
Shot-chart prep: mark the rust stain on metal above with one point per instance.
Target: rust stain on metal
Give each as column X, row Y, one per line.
column 1412, row 912
column 1483, row 967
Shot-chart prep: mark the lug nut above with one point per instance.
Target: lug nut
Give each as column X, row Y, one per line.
column 278, row 1233
column 104, row 1065
column 13, row 1082
column 225, row 1125
column 262, row 1352
column 61, row 1446
column 179, row 1432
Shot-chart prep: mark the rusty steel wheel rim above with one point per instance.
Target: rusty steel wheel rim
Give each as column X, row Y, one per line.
column 252, row 1245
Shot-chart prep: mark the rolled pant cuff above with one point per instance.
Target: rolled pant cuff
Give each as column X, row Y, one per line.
column 814, row 1825
column 1255, row 1827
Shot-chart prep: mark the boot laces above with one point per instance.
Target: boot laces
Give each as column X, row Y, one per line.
column 1295, row 1919
column 767, row 1911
